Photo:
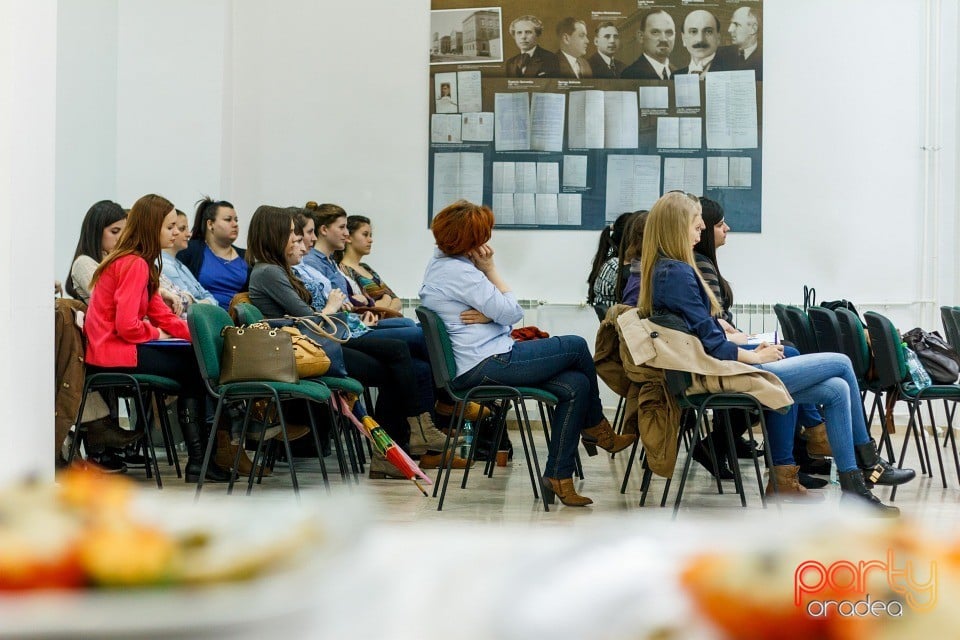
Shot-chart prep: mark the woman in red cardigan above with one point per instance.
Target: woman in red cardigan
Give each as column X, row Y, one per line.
column 126, row 316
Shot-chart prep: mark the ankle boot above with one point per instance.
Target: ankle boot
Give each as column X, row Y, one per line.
column 563, row 488
column 231, row 419
column 855, row 491
column 789, row 488
column 195, row 437
column 434, row 460
column 603, row 436
column 876, row 470
column 424, row 436
column 224, row 455
column 105, row 433
column 818, row 446
column 701, row 453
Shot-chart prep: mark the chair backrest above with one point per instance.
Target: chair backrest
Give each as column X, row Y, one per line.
column 888, row 355
column 955, row 315
column 803, row 336
column 826, row 329
column 949, row 317
column 246, row 313
column 786, row 326
column 206, row 321
column 854, row 341
column 439, row 348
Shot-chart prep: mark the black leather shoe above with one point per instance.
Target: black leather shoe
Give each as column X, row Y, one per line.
column 109, row 462
column 701, row 453
column 745, row 448
column 810, row 482
column 816, row 467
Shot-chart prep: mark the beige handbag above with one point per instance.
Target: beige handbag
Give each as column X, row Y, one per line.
column 312, row 360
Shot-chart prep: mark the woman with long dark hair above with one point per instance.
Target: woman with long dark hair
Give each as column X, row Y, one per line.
column 604, row 272
column 99, row 231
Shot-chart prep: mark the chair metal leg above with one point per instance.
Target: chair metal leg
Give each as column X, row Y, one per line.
column 686, row 470
column 903, row 452
column 316, row 442
column 144, row 419
column 446, row 461
column 702, row 412
column 923, row 433
column 626, row 473
column 208, row 450
column 737, row 480
column 618, row 418
column 167, row 431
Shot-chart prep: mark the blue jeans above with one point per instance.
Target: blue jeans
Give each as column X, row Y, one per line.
column 561, row 365
column 824, row 379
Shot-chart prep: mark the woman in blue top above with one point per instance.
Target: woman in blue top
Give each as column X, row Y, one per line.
column 211, row 255
column 670, row 282
column 463, row 287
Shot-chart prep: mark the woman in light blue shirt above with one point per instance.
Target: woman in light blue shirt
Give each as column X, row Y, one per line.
column 178, row 273
column 463, row 287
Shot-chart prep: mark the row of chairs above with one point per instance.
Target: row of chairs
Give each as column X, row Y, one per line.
column 881, row 369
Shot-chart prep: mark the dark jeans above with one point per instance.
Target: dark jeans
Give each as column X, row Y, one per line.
column 561, row 365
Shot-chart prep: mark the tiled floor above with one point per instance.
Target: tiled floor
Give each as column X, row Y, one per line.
column 508, row 497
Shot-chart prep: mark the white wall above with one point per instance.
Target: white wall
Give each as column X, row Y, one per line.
column 263, row 102
column 27, row 125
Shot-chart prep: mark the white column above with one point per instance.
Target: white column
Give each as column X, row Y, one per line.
column 28, row 48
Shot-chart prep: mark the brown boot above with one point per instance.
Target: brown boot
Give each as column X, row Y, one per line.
column 604, row 437
column 294, row 432
column 788, row 485
column 226, row 452
column 432, row 461
column 818, row 446
column 563, row 488
column 106, row 433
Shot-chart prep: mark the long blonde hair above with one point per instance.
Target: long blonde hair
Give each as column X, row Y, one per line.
column 667, row 235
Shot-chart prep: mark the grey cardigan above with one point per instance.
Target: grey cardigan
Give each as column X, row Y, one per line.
column 272, row 293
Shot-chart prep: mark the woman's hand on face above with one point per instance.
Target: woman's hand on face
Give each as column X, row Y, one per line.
column 370, row 319
column 768, row 353
column 482, row 258
column 472, row 316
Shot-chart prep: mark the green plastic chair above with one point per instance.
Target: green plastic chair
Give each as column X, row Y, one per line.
column 894, row 377
column 142, row 388
column 444, row 370
column 206, row 322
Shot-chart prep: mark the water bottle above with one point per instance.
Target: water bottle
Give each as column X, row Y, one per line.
column 921, row 379
column 467, row 433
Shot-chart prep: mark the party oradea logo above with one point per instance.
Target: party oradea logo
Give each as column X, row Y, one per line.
column 868, row 588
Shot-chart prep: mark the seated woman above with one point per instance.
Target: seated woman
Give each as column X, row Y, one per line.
column 670, row 282
column 602, row 281
column 126, row 314
column 712, row 238
column 99, row 232
column 461, row 276
column 275, row 246
column 628, row 282
column 177, row 276
column 211, row 255
column 358, row 245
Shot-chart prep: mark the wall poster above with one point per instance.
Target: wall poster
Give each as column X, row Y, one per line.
column 563, row 115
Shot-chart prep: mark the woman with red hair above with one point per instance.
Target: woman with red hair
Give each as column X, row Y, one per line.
column 463, row 287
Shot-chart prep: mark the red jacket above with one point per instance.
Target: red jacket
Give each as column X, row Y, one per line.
column 119, row 304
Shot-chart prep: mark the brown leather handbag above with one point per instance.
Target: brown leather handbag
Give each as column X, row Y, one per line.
column 312, row 360
column 258, row 353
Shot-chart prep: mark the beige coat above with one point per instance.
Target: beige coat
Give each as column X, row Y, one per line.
column 631, row 362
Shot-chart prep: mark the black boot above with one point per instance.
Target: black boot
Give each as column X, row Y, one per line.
column 195, row 436
column 876, row 470
column 810, row 482
column 855, row 490
column 701, row 453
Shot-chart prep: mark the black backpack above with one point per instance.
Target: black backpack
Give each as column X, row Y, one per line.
column 840, row 304
column 937, row 357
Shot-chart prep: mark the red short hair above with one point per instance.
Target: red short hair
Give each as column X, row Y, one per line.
column 462, row 227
